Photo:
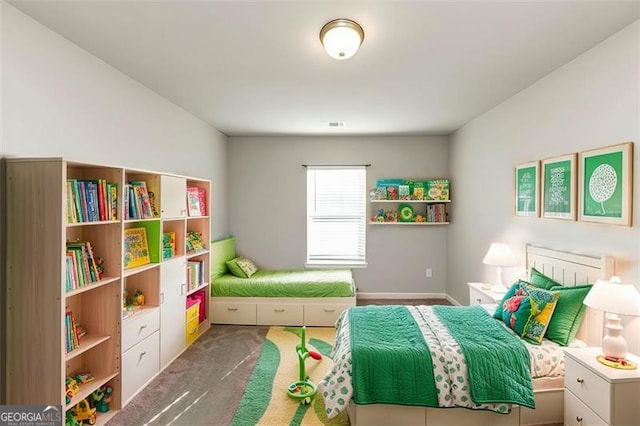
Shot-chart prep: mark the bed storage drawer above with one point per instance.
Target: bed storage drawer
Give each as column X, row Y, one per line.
column 233, row 313
column 280, row 314
column 322, row 315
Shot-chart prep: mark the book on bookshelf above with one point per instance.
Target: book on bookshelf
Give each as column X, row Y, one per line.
column 193, row 201
column 168, row 245
column 136, row 248
column 202, row 198
column 143, row 204
column 81, row 265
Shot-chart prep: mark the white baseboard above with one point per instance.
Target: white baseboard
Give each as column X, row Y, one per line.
column 408, row 296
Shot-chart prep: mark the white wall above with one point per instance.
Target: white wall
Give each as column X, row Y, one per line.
column 267, row 198
column 588, row 103
column 58, row 100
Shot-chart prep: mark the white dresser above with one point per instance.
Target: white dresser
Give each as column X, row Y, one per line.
column 599, row 395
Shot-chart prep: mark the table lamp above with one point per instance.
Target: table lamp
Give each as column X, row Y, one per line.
column 499, row 255
column 614, row 298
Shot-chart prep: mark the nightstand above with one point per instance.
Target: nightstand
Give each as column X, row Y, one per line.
column 595, row 394
column 481, row 296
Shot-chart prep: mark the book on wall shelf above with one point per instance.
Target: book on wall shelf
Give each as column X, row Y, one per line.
column 196, row 201
column 136, row 248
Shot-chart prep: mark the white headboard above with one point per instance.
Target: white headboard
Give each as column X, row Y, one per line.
column 570, row 269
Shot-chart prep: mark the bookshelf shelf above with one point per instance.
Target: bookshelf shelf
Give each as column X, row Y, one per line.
column 200, row 287
column 409, row 223
column 411, row 201
column 87, row 343
column 86, row 389
column 196, row 253
column 100, row 222
column 92, row 286
column 139, row 269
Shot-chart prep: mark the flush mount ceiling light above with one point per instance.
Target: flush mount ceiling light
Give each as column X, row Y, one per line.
column 341, row 38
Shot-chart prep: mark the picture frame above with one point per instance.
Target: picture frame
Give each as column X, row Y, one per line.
column 559, row 183
column 527, row 189
column 606, row 184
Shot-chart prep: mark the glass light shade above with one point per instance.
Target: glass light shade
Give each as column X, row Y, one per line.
column 341, row 38
column 614, row 297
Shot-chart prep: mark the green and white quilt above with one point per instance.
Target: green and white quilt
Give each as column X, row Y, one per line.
column 432, row 356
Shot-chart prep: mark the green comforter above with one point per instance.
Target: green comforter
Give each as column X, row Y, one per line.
column 286, row 283
column 393, row 364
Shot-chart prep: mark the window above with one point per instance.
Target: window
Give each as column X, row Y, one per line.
column 336, row 215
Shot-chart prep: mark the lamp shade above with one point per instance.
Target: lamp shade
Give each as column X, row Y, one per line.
column 499, row 254
column 341, row 38
column 614, row 297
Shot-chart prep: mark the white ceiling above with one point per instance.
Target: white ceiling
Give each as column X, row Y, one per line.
column 258, row 68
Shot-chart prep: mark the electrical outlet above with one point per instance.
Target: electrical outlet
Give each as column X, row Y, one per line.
column 429, row 272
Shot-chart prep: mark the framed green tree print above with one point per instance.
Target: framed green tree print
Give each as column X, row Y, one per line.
column 558, row 180
column 527, row 189
column 606, row 180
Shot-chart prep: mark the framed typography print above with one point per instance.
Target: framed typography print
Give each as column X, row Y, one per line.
column 527, row 189
column 558, row 181
column 606, row 184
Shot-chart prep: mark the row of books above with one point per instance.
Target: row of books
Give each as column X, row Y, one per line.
column 81, row 265
column 403, row 189
column 137, row 201
column 436, row 213
column 195, row 274
column 91, row 200
column 72, row 339
column 196, row 201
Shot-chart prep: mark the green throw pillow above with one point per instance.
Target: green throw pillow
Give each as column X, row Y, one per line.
column 242, row 267
column 568, row 315
column 538, row 279
column 509, row 294
column 529, row 311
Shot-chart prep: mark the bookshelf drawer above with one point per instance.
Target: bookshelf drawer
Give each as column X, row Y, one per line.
column 139, row 365
column 323, row 315
column 233, row 313
column 139, row 326
column 193, row 312
column 279, row 314
column 192, row 330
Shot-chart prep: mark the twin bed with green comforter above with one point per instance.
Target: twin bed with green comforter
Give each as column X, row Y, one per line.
column 313, row 297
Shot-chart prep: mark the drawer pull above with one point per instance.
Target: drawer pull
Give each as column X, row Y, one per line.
column 279, row 310
column 329, row 310
column 579, row 419
column 143, row 326
column 479, row 301
column 581, row 381
column 232, row 309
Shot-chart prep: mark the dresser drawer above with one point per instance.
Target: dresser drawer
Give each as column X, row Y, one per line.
column 139, row 365
column 139, row 326
column 279, row 314
column 578, row 414
column 233, row 313
column 323, row 315
column 478, row 298
column 192, row 330
column 590, row 388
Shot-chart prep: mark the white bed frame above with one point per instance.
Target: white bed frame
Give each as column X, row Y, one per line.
column 569, row 269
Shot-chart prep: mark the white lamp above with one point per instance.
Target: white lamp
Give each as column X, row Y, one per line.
column 499, row 255
column 341, row 38
column 614, row 298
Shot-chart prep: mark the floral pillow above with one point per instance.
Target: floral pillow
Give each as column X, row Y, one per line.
column 242, row 267
column 528, row 310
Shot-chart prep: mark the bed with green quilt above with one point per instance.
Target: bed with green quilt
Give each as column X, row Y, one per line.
column 440, row 365
column 312, row 297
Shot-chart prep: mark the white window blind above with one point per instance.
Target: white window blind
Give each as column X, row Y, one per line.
column 336, row 215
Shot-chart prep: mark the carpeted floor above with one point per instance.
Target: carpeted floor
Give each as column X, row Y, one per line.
column 206, row 383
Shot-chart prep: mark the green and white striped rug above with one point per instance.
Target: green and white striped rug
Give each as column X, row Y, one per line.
column 265, row 400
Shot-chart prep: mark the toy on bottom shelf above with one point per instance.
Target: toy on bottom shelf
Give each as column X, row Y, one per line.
column 70, row 420
column 71, row 389
column 304, row 389
column 101, row 398
column 83, row 411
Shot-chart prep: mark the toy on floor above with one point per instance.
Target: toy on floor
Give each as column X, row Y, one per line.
column 304, row 389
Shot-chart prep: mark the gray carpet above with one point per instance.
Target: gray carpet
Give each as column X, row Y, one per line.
column 204, row 385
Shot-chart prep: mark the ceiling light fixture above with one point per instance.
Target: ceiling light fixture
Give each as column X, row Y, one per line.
column 341, row 38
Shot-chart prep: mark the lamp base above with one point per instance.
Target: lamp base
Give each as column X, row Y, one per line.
column 620, row 363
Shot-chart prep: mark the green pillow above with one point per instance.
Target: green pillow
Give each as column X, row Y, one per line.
column 529, row 311
column 568, row 314
column 538, row 279
column 242, row 267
